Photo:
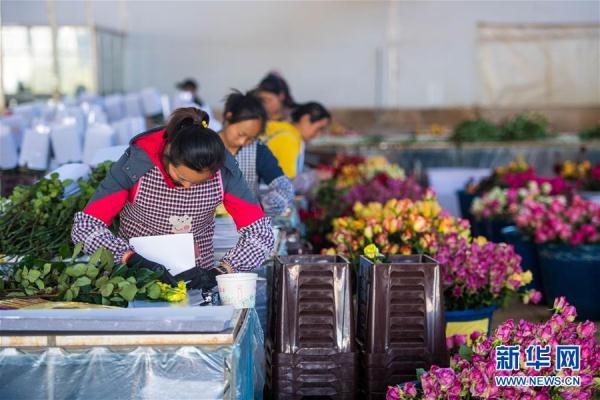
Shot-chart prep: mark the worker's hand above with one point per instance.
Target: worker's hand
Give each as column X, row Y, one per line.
column 137, row 261
column 205, row 279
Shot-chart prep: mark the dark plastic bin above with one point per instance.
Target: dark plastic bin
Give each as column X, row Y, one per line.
column 527, row 249
column 310, row 347
column 573, row 272
column 401, row 323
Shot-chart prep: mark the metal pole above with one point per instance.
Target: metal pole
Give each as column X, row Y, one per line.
column 2, row 102
column 55, row 67
column 93, row 45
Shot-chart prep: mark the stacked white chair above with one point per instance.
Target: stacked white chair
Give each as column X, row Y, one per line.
column 151, row 102
column 66, row 142
column 133, row 105
column 97, row 136
column 17, row 125
column 9, row 155
column 127, row 128
column 115, row 107
column 35, row 150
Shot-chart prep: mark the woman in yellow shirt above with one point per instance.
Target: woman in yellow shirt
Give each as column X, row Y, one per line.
column 275, row 95
column 287, row 140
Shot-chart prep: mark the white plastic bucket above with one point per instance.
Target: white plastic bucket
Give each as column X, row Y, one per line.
column 238, row 290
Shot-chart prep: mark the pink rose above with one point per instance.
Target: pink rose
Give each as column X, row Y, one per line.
column 393, row 393
column 410, row 389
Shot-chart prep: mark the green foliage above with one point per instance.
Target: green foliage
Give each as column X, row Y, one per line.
column 590, row 134
column 476, row 130
column 98, row 281
column 525, row 127
column 36, row 220
column 520, row 127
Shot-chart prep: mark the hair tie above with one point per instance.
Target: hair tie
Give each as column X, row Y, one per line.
column 204, row 124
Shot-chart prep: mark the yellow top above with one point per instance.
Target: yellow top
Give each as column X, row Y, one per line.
column 285, row 142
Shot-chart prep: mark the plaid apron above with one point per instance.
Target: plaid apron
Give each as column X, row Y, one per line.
column 161, row 210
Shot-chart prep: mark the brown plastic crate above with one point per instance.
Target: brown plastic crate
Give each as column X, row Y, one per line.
column 310, row 344
column 400, row 324
column 312, row 304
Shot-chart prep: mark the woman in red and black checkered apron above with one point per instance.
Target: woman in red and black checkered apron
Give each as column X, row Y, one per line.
column 170, row 180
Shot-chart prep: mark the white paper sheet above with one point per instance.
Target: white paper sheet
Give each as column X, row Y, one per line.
column 176, row 252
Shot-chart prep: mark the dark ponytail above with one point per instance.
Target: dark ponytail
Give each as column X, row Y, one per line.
column 316, row 111
column 274, row 83
column 243, row 107
column 191, row 142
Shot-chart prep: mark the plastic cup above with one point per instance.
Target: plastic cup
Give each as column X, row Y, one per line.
column 238, row 290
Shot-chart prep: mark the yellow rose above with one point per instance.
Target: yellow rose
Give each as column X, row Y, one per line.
column 368, row 232
column 526, row 277
column 419, row 224
column 329, row 252
column 371, row 251
column 480, row 240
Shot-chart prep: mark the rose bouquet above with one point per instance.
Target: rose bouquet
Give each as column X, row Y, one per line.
column 504, row 204
column 479, row 273
column 354, row 179
column 583, row 175
column 473, row 370
column 396, row 227
column 557, row 220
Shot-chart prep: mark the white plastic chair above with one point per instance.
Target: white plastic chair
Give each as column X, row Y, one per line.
column 133, row 105
column 115, row 107
column 36, row 148
column 66, row 143
column 9, row 157
column 17, row 125
column 97, row 136
column 151, row 102
column 447, row 181
column 127, row 128
column 112, row 153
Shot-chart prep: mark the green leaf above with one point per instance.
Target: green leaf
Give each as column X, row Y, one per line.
column 16, row 294
column 153, row 291
column 40, row 284
column 420, row 371
column 107, row 259
column 465, row 352
column 128, row 292
column 46, row 269
column 105, row 302
column 120, row 270
column 33, row 275
column 64, row 252
column 107, row 290
column 75, row 291
column 103, row 280
column 83, row 281
column 77, row 250
column 30, row 291
column 117, row 279
column 68, row 295
column 95, row 258
column 122, row 284
column 24, row 273
column 92, row 272
column 131, row 279
column 76, row 270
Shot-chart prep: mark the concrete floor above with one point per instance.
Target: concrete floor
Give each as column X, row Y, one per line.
column 530, row 312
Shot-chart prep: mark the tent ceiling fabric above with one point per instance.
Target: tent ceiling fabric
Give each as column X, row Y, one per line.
column 523, row 65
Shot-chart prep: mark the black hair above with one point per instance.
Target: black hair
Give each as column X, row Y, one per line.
column 191, row 142
column 316, row 111
column 274, row 83
column 243, row 107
